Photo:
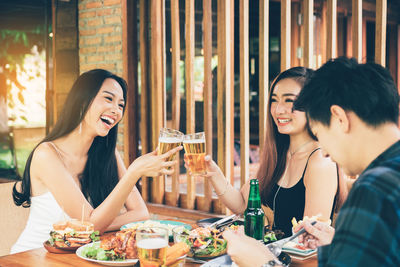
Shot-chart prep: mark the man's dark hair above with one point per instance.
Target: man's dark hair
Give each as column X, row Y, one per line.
column 368, row 90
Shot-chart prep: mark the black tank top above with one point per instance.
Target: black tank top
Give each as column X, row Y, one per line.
column 289, row 203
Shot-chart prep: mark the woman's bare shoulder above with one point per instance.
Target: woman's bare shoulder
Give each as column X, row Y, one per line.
column 320, row 167
column 45, row 155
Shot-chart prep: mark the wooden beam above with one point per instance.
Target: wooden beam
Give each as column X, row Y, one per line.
column 357, row 29
column 176, row 98
column 295, row 34
column 380, row 32
column 179, row 212
column 189, row 74
column 309, row 33
column 332, row 29
column 157, row 119
column 225, row 89
column 130, row 74
column 244, row 85
column 208, row 119
column 144, row 85
column 285, row 34
column 263, row 71
column 398, row 57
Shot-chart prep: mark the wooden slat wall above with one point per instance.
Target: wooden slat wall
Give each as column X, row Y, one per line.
column 157, row 89
column 356, row 31
column 380, row 32
column 208, row 119
column 244, row 89
column 309, row 33
column 331, row 29
column 189, row 75
column 144, row 85
column 263, row 70
column 176, row 98
column 130, row 74
column 398, row 57
column 285, row 34
column 225, row 89
column 155, row 93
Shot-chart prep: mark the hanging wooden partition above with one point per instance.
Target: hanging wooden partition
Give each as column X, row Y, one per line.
column 264, row 69
column 244, row 90
column 208, row 118
column 153, row 102
column 356, row 30
column 331, row 29
column 285, row 34
column 380, row 32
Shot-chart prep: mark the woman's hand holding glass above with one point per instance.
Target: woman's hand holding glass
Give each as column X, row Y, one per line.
column 152, row 164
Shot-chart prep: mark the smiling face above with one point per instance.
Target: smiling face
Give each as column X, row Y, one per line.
column 283, row 96
column 106, row 109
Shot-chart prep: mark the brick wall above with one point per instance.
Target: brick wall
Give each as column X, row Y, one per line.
column 100, row 40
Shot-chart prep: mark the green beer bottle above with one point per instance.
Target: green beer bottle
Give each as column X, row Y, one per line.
column 254, row 215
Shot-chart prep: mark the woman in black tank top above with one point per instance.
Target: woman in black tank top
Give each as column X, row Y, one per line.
column 295, row 178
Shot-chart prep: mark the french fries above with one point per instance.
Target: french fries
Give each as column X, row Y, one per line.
column 312, row 218
column 176, row 251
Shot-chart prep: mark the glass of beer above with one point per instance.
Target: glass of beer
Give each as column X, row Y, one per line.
column 195, row 151
column 152, row 243
column 169, row 139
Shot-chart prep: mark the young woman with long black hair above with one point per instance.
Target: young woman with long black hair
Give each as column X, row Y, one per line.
column 76, row 169
column 295, row 179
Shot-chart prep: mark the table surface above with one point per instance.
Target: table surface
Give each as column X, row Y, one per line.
column 41, row 257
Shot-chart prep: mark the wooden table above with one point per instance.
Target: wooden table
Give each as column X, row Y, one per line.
column 41, row 258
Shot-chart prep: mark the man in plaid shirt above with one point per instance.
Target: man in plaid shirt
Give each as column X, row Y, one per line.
column 353, row 110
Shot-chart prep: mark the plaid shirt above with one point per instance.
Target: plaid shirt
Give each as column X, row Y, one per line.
column 368, row 225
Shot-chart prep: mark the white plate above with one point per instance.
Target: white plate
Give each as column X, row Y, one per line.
column 290, row 247
column 127, row 262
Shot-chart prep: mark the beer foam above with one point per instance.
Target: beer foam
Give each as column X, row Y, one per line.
column 169, row 140
column 152, row 243
column 194, row 141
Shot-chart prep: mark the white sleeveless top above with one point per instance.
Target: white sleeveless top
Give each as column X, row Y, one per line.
column 44, row 211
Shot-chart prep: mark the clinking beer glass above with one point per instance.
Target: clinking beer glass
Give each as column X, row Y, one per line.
column 152, row 243
column 169, row 139
column 195, row 151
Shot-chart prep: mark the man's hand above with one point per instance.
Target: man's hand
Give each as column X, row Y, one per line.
column 319, row 234
column 246, row 251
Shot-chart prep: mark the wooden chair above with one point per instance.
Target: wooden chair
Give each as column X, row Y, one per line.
column 13, row 218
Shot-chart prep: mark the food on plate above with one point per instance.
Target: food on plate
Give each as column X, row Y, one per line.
column 204, row 242
column 120, row 245
column 311, row 219
column 151, row 223
column 176, row 251
column 72, row 234
column 272, row 236
column 295, row 245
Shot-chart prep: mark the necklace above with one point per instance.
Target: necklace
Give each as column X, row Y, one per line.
column 299, row 148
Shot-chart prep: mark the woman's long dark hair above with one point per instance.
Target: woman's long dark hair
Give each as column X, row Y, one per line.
column 276, row 145
column 101, row 172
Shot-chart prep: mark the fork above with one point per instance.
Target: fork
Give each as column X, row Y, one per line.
column 276, row 247
column 221, row 221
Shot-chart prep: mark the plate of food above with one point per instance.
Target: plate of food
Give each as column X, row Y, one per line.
column 297, row 249
column 119, row 249
column 156, row 223
column 204, row 243
column 68, row 236
column 95, row 253
column 226, row 261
